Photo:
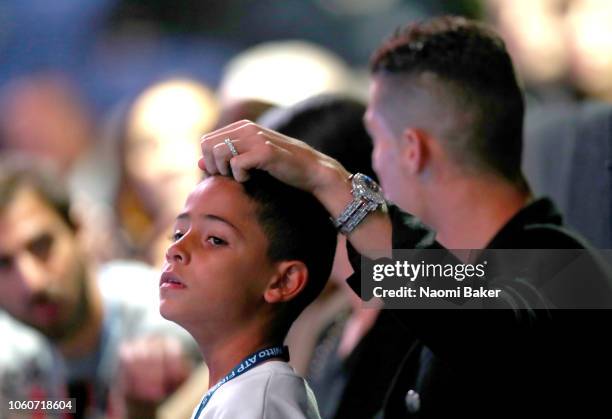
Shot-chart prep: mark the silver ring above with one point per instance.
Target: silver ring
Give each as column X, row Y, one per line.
column 231, row 147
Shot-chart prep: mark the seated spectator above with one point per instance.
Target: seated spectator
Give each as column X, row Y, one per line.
column 45, row 116
column 48, row 284
column 246, row 259
column 157, row 150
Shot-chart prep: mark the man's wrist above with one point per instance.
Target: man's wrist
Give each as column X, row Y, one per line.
column 333, row 188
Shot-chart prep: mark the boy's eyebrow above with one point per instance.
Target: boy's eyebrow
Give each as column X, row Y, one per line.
column 185, row 215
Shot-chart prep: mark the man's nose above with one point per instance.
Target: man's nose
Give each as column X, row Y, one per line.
column 33, row 274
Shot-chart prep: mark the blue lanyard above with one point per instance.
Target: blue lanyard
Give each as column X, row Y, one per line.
column 245, row 365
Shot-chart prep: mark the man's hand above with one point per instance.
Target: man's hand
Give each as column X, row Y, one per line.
column 150, row 369
column 287, row 159
column 297, row 164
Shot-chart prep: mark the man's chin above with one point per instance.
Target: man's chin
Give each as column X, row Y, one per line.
column 53, row 332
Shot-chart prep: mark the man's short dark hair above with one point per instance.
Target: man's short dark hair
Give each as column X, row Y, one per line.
column 477, row 70
column 298, row 228
column 18, row 171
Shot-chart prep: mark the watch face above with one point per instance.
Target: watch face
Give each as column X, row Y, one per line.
column 365, row 187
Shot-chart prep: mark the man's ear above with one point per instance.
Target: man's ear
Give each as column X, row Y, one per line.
column 290, row 280
column 414, row 149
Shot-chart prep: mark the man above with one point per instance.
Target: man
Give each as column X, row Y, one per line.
column 246, row 260
column 446, row 115
column 48, row 284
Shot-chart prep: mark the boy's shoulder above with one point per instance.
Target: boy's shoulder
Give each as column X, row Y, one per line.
column 271, row 390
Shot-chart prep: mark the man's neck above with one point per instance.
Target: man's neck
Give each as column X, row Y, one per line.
column 87, row 337
column 472, row 211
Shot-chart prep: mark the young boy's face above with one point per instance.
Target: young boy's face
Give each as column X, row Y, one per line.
column 217, row 267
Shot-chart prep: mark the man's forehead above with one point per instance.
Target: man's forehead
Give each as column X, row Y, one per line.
column 27, row 215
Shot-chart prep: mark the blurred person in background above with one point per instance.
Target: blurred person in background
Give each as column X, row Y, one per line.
column 535, row 38
column 283, row 73
column 239, row 109
column 563, row 53
column 588, row 31
column 562, row 48
column 156, row 146
column 44, row 115
column 356, row 350
column 85, row 312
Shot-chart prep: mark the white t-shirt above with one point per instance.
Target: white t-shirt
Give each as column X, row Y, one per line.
column 272, row 390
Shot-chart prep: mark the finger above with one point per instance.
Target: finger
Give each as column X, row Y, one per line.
column 223, row 130
column 260, row 157
column 233, row 132
column 146, row 374
column 223, row 154
column 124, row 371
column 174, row 365
column 240, row 174
column 207, row 146
column 276, row 157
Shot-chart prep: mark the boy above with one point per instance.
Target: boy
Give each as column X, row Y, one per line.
column 246, row 259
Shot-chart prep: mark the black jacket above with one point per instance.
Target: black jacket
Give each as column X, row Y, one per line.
column 513, row 362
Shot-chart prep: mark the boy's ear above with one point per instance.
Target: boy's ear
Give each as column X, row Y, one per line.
column 290, row 280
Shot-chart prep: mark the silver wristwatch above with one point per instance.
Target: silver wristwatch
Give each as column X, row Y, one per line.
column 367, row 197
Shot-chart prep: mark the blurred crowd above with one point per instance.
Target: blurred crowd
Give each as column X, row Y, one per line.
column 110, row 99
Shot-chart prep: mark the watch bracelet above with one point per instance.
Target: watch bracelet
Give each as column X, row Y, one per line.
column 357, row 217
column 347, row 213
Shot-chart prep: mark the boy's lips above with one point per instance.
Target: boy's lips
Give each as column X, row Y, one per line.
column 170, row 280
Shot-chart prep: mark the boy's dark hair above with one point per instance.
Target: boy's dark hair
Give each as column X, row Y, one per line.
column 17, row 171
column 332, row 124
column 478, row 71
column 298, row 228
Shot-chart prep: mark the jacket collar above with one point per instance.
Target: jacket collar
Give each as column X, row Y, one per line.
column 539, row 211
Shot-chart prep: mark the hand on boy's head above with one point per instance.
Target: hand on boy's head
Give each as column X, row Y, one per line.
column 287, row 159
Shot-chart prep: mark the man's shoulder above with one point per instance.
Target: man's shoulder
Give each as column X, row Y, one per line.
column 549, row 236
column 18, row 337
column 539, row 225
column 27, row 364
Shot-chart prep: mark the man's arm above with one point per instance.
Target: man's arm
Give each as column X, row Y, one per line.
column 297, row 164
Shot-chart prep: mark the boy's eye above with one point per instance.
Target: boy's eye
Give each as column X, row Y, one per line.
column 216, row 241
column 176, row 236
